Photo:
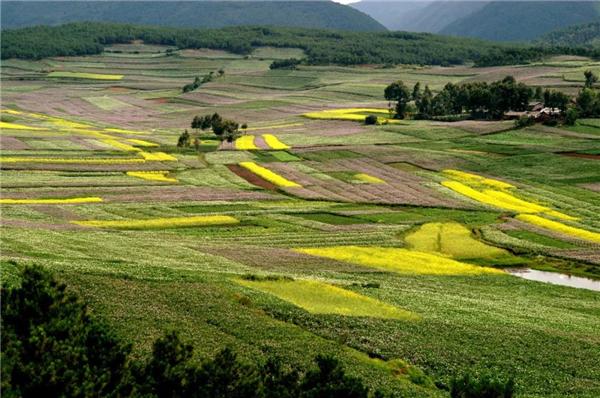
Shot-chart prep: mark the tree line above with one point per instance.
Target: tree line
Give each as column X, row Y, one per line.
column 52, row 346
column 322, row 47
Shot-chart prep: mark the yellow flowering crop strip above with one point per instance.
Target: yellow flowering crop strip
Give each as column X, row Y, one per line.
column 71, row 160
column 68, row 201
column 268, row 175
column 161, row 223
column 275, row 126
column 560, row 227
column 369, row 178
column 503, row 200
column 158, row 156
column 142, row 142
column 119, row 145
column 274, row 143
column 461, row 175
column 15, row 126
column 152, row 175
column 322, row 298
column 82, row 75
column 452, row 239
column 123, row 131
column 402, row 261
column 245, row 143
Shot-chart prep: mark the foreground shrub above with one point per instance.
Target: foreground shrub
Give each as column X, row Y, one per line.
column 371, row 119
column 485, row 386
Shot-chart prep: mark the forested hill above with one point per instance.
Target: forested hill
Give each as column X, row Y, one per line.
column 209, row 14
column 523, row 20
column 587, row 35
column 321, row 46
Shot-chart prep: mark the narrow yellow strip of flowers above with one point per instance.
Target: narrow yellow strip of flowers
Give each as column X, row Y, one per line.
column 158, row 156
column 402, row 261
column 560, row 227
column 83, row 75
column 269, row 175
column 123, row 131
column 368, row 178
column 152, row 175
column 461, row 175
column 245, row 143
column 142, row 142
column 160, row 223
column 275, row 126
column 90, row 199
column 119, row 145
column 323, row 298
column 15, row 126
column 274, row 143
column 503, row 200
column 71, row 160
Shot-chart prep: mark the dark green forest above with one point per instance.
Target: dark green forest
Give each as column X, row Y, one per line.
column 587, row 35
column 322, row 47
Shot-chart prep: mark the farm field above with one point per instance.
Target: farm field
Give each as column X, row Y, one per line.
column 312, row 233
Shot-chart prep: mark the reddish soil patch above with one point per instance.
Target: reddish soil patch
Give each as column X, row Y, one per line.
column 251, row 177
column 12, row 144
column 581, row 155
column 162, row 100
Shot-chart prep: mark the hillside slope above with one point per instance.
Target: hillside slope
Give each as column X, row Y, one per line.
column 587, row 35
column 210, row 14
column 521, row 21
column 418, row 16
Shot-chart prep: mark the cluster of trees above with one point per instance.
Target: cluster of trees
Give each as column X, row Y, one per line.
column 225, row 129
column 321, row 46
column 290, row 63
column 480, row 99
column 582, row 35
column 198, row 82
column 52, row 346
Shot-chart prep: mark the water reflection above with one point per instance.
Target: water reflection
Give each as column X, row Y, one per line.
column 555, row 278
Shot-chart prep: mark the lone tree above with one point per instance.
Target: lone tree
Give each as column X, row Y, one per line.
column 590, row 78
column 398, row 92
column 184, row 140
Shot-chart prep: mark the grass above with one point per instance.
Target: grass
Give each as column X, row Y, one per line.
column 331, row 218
column 322, row 298
column 540, row 239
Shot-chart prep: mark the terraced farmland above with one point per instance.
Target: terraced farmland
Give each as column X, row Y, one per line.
column 313, row 232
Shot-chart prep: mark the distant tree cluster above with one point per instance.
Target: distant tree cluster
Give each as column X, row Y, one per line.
column 480, row 99
column 322, row 47
column 53, row 347
column 225, row 129
column 290, row 63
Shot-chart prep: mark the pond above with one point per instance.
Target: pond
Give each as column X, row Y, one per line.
column 555, row 278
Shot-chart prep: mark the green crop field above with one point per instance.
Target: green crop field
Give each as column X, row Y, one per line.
column 380, row 244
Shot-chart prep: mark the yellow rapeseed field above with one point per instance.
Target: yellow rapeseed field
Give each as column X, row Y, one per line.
column 245, row 143
column 275, row 126
column 15, row 126
column 152, row 175
column 91, row 199
column 451, row 239
column 322, row 298
column 119, row 145
column 123, row 131
column 403, row 261
column 560, row 227
column 268, row 175
column 369, row 178
column 27, row 159
column 469, row 177
column 160, row 223
column 82, row 75
column 274, row 143
column 142, row 142
column 158, row 156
